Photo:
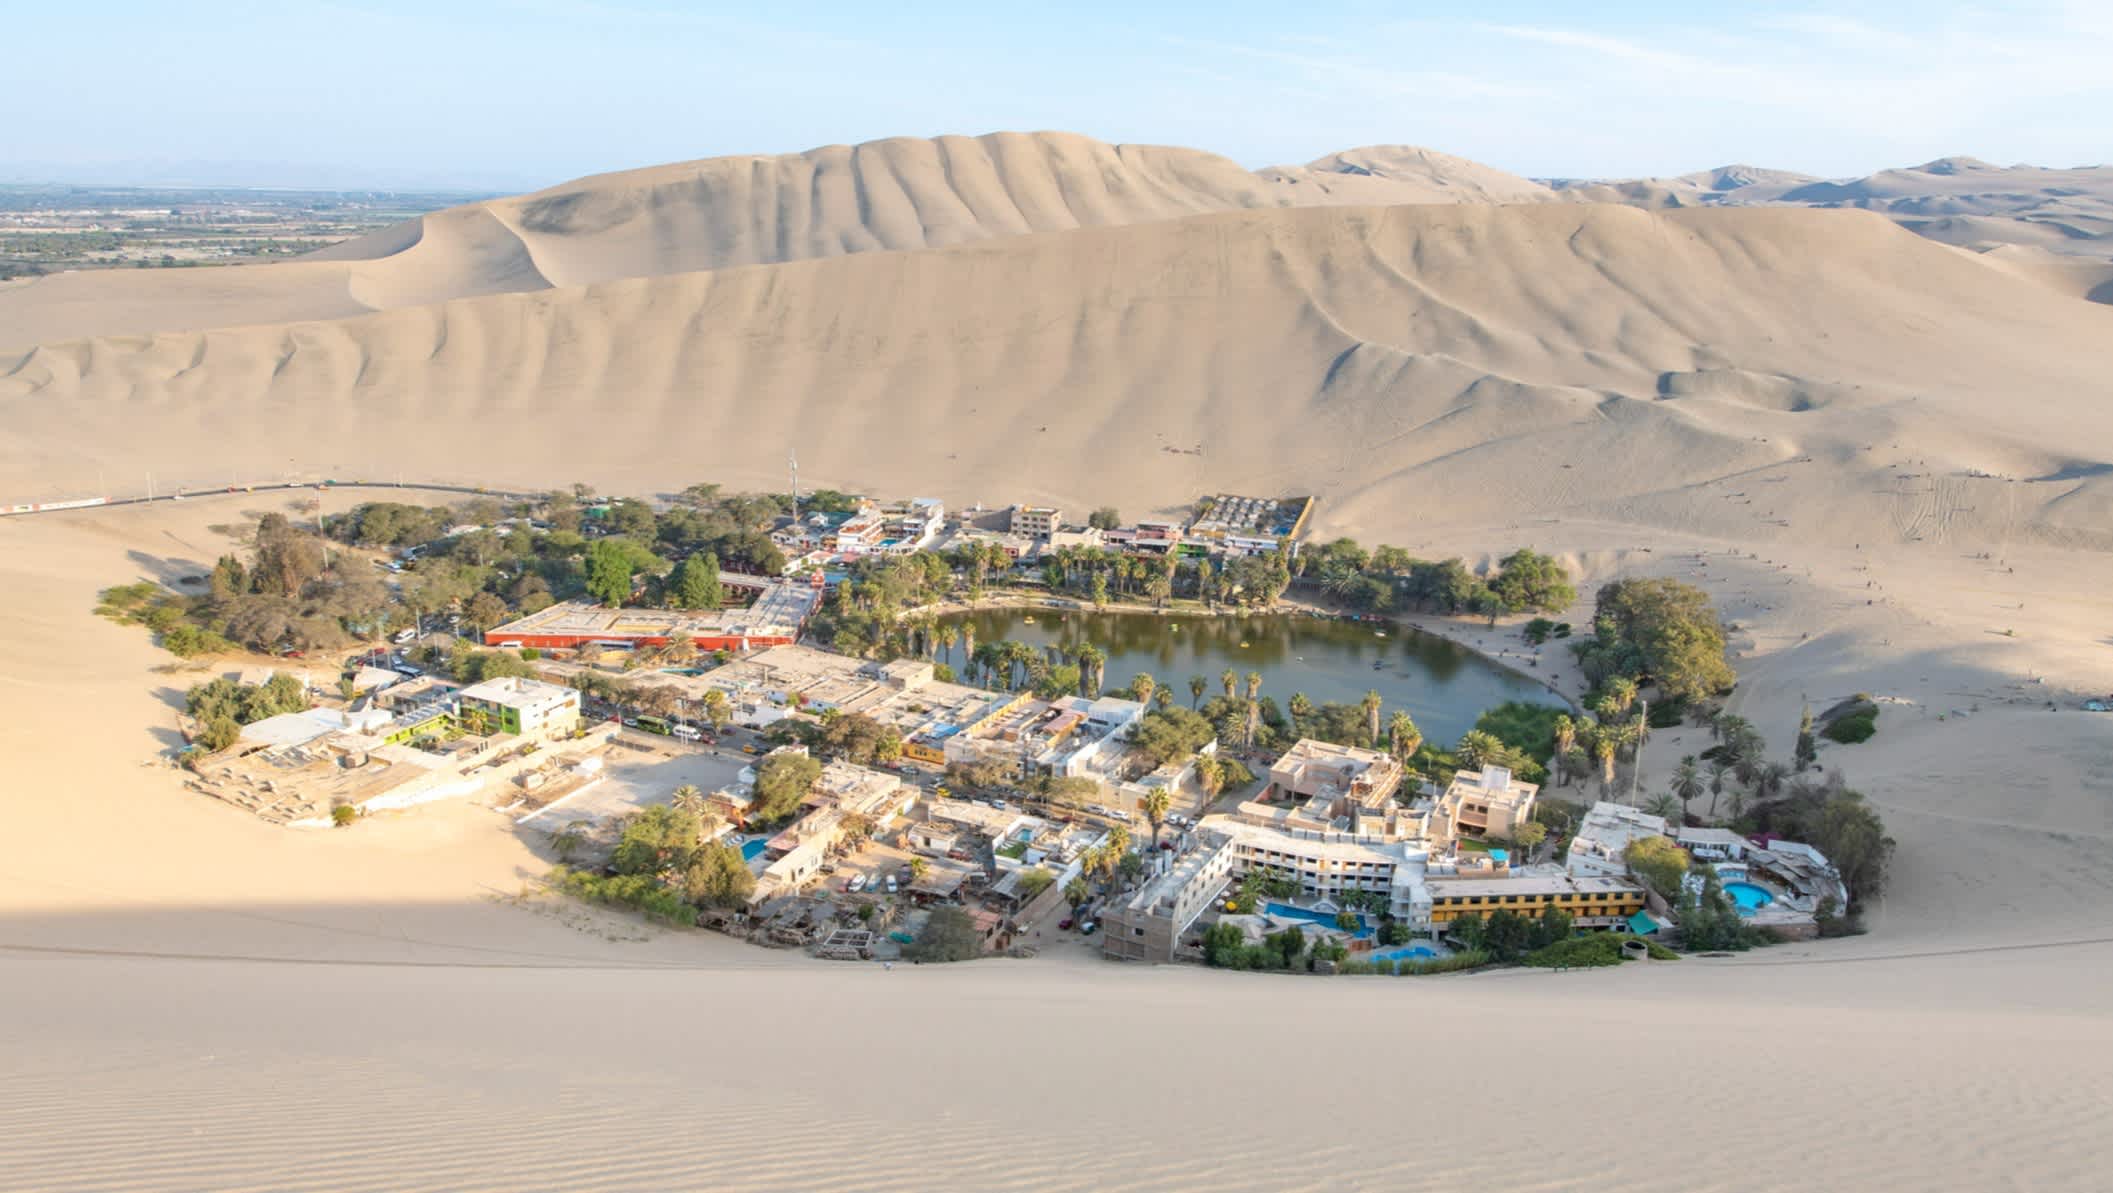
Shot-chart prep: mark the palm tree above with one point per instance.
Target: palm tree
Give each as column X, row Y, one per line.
column 1157, row 804
column 1403, row 738
column 919, row 868
column 1605, row 744
column 968, row 640
column 1718, row 768
column 1622, row 691
column 1093, row 663
column 1565, row 742
column 1141, row 688
column 1665, row 804
column 1769, row 783
column 1076, row 894
column 1254, row 685
column 1371, row 707
column 1197, row 686
column 1476, row 749
column 948, row 635
column 1231, row 679
column 1687, row 783
column 1300, row 708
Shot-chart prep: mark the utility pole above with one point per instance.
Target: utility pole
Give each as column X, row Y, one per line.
column 792, row 457
column 1643, row 719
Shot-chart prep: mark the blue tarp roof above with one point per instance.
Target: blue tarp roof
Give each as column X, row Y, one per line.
column 1642, row 924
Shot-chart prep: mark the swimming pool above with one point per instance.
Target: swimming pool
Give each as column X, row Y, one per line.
column 751, row 849
column 1414, row 952
column 1287, row 911
column 1748, row 897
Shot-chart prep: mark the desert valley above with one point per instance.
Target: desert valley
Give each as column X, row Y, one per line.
column 1870, row 419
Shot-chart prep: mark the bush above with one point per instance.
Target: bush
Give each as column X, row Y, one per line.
column 640, row 892
column 530, row 654
column 1853, row 727
column 1457, row 963
column 1353, row 968
column 1579, row 952
column 1538, row 630
column 1658, row 951
column 343, row 815
column 948, row 935
column 188, row 642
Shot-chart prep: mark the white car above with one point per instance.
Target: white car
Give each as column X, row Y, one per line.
column 1119, row 814
column 403, row 636
column 857, row 884
column 891, row 884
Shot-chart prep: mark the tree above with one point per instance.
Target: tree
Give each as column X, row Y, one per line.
column 948, row 935
column 609, row 573
column 1033, row 881
column 1659, row 630
column 1142, row 687
column 1528, row 836
column 1170, row 734
column 1687, row 783
column 1371, row 705
column 343, row 815
column 783, row 782
column 1532, row 582
column 1664, row 804
column 717, row 709
column 1197, row 687
column 1104, row 518
column 718, row 877
column 1157, row 803
column 1807, row 751
column 1659, row 862
column 658, row 838
column 689, row 798
column 1403, row 738
column 696, row 583
column 1076, row 893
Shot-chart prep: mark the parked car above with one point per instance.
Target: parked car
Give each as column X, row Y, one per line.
column 891, row 884
column 403, row 636
column 1087, row 928
column 856, row 884
column 1119, row 814
column 1065, row 923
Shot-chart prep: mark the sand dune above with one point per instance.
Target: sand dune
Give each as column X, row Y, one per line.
column 904, row 193
column 1379, row 175
column 1459, row 354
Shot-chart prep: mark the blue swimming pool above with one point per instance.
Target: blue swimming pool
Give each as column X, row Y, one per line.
column 1287, row 911
column 750, row 849
column 1414, row 952
column 1749, row 897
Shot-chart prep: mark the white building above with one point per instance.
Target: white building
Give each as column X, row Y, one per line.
column 526, row 707
column 1712, row 844
column 1035, row 521
column 1602, row 841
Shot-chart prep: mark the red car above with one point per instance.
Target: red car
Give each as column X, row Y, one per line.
column 1065, row 923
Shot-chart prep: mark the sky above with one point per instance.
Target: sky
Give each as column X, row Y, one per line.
column 517, row 94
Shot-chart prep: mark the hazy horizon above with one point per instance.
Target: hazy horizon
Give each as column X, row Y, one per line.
column 540, row 91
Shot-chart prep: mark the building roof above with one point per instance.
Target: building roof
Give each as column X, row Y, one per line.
column 781, row 608
column 514, row 691
column 1710, row 836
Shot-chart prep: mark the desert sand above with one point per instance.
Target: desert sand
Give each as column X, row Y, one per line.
column 1885, row 457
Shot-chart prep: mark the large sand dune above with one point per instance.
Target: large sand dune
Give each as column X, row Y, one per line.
column 904, row 193
column 1385, row 359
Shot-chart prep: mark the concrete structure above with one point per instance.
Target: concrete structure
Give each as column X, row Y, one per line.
column 1016, row 546
column 1489, row 804
column 1712, row 844
column 775, row 616
column 1345, row 780
column 1592, row 901
column 1069, row 737
column 876, row 795
column 1803, row 871
column 903, row 694
column 523, row 707
column 295, row 728
column 1147, row 924
column 1237, row 525
column 1603, row 837
column 1035, row 521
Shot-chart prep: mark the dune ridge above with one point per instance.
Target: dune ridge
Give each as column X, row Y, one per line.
column 1461, row 353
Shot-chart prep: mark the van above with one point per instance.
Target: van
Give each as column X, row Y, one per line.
column 687, row 733
column 403, row 636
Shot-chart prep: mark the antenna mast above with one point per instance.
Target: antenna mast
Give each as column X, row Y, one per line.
column 792, row 457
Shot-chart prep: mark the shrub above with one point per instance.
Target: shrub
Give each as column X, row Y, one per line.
column 1853, row 727
column 531, row 653
column 1354, row 967
column 1658, row 951
column 343, row 815
column 1457, row 963
column 1579, row 952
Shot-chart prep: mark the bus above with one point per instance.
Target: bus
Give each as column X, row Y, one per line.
column 654, row 725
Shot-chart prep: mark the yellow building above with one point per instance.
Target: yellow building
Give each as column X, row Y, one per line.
column 1593, row 902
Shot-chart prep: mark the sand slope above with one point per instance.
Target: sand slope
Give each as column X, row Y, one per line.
column 1377, row 175
column 903, row 193
column 1413, row 354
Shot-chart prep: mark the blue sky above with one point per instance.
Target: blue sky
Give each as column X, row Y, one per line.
column 520, row 93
